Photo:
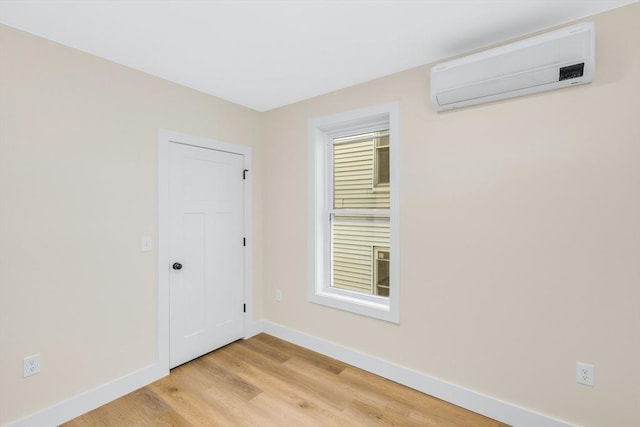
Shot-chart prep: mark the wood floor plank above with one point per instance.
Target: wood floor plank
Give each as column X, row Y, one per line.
column 150, row 411
column 195, row 410
column 433, row 409
column 265, row 381
column 228, row 406
column 211, row 369
column 317, row 359
column 305, row 384
column 368, row 405
column 285, row 386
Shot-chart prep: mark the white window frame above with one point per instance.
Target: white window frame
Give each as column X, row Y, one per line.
column 322, row 131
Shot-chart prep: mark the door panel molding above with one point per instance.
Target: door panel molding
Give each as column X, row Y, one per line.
column 165, row 138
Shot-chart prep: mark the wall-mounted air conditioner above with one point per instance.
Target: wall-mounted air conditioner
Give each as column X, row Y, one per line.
column 549, row 61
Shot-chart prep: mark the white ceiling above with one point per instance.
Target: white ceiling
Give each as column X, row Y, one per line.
column 270, row 53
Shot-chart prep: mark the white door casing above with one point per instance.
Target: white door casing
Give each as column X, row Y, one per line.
column 202, row 226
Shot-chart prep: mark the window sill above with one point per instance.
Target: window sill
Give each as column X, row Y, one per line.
column 365, row 305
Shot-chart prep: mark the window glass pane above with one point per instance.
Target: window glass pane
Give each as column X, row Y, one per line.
column 353, row 240
column 382, row 165
column 382, row 139
column 381, row 271
column 355, row 159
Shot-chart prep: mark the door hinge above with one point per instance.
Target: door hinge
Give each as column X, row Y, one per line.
column 244, row 241
column 244, row 173
column 244, row 308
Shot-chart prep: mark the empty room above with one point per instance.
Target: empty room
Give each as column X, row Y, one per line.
column 320, row 213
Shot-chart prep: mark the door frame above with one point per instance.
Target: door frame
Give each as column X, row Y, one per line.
column 166, row 137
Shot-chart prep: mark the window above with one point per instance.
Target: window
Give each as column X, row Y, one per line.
column 353, row 207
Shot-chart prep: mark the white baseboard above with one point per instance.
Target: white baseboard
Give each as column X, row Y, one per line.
column 84, row 402
column 253, row 328
column 91, row 399
column 477, row 402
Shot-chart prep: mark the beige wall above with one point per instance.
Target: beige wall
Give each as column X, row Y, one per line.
column 78, row 164
column 520, row 231
column 520, row 236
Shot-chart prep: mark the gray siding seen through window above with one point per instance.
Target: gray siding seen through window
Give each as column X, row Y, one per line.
column 354, row 237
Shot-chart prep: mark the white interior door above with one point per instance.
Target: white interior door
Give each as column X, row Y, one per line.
column 205, row 250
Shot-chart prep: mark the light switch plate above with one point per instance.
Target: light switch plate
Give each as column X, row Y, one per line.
column 146, row 244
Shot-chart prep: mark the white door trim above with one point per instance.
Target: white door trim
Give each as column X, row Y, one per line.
column 165, row 137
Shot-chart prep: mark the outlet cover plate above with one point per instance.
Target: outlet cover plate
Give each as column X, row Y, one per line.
column 584, row 374
column 31, row 365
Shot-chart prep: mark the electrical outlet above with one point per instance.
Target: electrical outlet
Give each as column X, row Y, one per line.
column 31, row 365
column 278, row 294
column 584, row 374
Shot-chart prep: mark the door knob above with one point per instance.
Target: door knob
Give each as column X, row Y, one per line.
column 177, row 266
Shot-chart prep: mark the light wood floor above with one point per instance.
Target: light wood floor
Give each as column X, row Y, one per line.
column 265, row 381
